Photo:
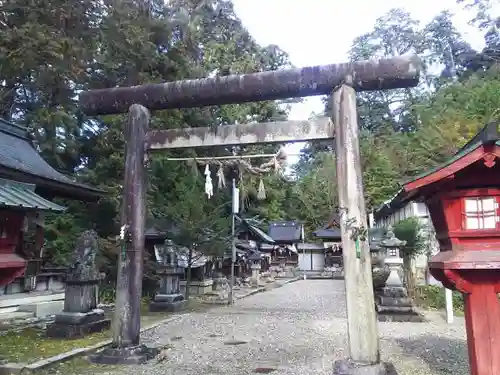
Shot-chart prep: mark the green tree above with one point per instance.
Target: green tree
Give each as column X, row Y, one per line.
column 314, row 193
column 410, row 230
column 195, row 225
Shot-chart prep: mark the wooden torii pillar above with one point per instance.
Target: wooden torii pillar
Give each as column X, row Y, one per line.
column 343, row 80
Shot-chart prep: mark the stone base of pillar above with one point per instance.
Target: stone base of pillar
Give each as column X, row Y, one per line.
column 347, row 367
column 69, row 325
column 134, row 355
column 167, row 303
column 394, row 305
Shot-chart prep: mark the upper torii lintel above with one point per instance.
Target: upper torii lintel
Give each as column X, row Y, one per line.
column 384, row 74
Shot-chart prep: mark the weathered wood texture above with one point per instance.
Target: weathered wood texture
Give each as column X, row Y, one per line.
column 126, row 325
column 397, row 72
column 241, row 134
column 362, row 323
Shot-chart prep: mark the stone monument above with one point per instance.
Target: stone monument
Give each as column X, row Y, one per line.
column 394, row 305
column 255, row 266
column 80, row 315
column 168, row 297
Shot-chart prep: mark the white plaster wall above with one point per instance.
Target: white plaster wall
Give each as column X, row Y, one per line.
column 305, row 261
column 318, row 261
column 415, row 209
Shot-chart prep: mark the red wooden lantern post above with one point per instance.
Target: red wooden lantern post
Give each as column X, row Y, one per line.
column 463, row 198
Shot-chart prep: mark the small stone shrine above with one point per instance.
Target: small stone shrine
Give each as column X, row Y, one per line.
column 168, row 296
column 394, row 305
column 80, row 315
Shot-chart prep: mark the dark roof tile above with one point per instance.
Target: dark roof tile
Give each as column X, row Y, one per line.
column 18, row 154
column 285, row 231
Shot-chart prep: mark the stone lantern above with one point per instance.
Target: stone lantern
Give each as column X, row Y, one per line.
column 168, row 296
column 392, row 259
column 394, row 303
column 255, row 260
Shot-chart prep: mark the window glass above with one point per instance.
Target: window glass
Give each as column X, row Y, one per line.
column 481, row 213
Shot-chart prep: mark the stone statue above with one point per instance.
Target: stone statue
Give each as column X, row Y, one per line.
column 165, row 255
column 80, row 315
column 83, row 266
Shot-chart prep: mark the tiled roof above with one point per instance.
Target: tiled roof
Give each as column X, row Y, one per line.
column 18, row 154
column 285, row 231
column 332, row 233
column 257, row 232
column 19, row 195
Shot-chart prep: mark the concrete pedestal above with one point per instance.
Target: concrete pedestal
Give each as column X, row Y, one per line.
column 167, row 302
column 70, row 325
column 394, row 305
column 197, row 288
column 168, row 297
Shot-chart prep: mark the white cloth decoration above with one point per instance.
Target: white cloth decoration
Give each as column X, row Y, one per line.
column 209, row 189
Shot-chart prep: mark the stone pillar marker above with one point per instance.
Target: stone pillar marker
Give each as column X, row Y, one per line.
column 255, row 258
column 168, row 297
column 80, row 315
column 394, row 305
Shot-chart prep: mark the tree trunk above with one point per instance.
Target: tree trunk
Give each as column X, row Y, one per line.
column 409, row 276
column 188, row 274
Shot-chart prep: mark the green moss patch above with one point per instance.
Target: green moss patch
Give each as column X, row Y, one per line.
column 77, row 366
column 30, row 345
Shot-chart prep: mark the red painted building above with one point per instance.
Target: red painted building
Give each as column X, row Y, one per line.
column 463, row 198
column 27, row 186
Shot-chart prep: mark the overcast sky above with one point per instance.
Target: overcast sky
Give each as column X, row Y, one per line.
column 317, row 32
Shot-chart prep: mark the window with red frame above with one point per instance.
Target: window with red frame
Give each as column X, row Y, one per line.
column 481, row 213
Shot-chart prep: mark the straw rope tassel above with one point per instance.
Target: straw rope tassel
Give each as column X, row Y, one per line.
column 221, row 180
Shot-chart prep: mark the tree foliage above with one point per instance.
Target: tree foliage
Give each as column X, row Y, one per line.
column 404, row 132
column 411, row 231
column 52, row 49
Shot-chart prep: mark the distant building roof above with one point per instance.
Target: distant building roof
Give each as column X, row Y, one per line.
column 332, row 233
column 257, row 232
column 21, row 162
column 157, row 229
column 310, row 246
column 375, row 235
column 286, row 231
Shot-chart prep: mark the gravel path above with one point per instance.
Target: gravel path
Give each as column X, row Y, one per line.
column 299, row 328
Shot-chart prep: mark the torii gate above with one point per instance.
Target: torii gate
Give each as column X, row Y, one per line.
column 343, row 80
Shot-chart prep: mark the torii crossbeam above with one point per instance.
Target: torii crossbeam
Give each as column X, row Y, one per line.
column 384, row 74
